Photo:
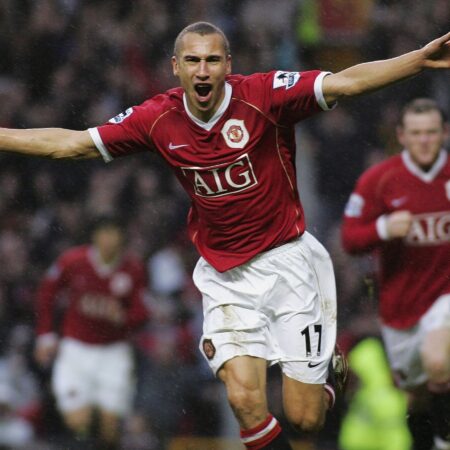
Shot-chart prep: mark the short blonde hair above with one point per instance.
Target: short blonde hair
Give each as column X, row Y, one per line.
column 422, row 105
column 201, row 28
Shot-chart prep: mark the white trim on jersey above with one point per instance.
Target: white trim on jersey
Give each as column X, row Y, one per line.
column 381, row 226
column 431, row 174
column 102, row 269
column 95, row 135
column 319, row 92
column 215, row 118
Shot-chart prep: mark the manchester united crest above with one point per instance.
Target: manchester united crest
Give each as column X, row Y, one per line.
column 208, row 348
column 235, row 133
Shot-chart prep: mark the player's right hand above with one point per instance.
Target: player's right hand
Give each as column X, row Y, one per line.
column 45, row 352
column 398, row 224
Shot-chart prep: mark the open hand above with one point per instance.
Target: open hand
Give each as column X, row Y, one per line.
column 437, row 53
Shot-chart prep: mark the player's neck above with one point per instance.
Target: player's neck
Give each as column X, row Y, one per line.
column 206, row 115
column 107, row 258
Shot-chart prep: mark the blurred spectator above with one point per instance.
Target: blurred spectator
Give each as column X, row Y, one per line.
column 376, row 419
column 19, row 396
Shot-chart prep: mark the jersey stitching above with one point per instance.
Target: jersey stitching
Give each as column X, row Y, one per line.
column 287, row 176
column 273, row 122
column 282, row 162
column 157, row 120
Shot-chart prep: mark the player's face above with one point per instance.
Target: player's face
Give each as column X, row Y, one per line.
column 109, row 242
column 423, row 135
column 201, row 65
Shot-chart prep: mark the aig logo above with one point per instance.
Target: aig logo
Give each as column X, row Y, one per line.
column 430, row 229
column 223, row 179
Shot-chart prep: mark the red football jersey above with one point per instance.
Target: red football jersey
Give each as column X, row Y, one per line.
column 238, row 168
column 103, row 303
column 414, row 271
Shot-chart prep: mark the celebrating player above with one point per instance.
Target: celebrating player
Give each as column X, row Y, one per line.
column 401, row 209
column 93, row 370
column 268, row 286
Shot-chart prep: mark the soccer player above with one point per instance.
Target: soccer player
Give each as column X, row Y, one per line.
column 102, row 289
column 400, row 209
column 268, row 286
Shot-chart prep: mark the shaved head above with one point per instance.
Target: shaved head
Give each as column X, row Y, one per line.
column 201, row 28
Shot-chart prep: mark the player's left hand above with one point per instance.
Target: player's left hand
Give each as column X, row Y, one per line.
column 437, row 53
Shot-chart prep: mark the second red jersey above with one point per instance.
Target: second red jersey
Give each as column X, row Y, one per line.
column 414, row 271
column 238, row 168
column 103, row 303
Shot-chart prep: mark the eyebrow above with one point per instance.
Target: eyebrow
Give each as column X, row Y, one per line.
column 212, row 57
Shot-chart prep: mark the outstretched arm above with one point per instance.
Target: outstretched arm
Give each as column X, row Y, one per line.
column 374, row 75
column 49, row 142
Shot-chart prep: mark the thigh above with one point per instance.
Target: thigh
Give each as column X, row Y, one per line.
column 244, row 373
column 109, row 426
column 437, row 342
column 303, row 402
column 245, row 379
column 78, row 420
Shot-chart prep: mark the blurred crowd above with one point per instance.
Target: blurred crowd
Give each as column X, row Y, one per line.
column 77, row 63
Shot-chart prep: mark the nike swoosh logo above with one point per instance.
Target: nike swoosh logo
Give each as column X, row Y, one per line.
column 311, row 365
column 174, row 147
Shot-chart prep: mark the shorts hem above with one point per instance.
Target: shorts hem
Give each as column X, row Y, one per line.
column 219, row 362
column 306, row 380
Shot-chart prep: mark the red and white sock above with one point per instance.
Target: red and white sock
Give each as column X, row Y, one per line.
column 263, row 434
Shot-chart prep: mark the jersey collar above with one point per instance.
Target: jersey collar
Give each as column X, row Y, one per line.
column 219, row 113
column 430, row 175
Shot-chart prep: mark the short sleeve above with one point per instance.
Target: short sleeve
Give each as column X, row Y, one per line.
column 124, row 134
column 297, row 95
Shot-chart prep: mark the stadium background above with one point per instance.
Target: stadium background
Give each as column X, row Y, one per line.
column 75, row 64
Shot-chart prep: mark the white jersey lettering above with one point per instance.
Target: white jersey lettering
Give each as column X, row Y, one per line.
column 223, row 179
column 429, row 229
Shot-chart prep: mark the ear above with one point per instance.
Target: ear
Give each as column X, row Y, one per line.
column 400, row 134
column 446, row 131
column 228, row 65
column 175, row 66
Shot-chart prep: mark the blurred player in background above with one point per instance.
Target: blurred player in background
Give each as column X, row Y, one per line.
column 101, row 289
column 400, row 209
column 268, row 286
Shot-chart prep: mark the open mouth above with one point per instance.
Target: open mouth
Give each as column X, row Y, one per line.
column 203, row 91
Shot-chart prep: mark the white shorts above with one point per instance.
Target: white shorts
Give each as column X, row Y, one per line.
column 93, row 375
column 280, row 306
column 403, row 346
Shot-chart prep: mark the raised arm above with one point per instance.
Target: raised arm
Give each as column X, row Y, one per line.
column 375, row 75
column 53, row 143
